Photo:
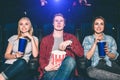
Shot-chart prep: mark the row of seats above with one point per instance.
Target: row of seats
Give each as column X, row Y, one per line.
column 80, row 32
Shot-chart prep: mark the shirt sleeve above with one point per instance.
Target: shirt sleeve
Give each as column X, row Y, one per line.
column 36, row 39
column 86, row 45
column 113, row 47
column 12, row 39
column 42, row 53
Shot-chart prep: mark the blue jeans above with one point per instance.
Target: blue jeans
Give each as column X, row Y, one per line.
column 11, row 70
column 65, row 71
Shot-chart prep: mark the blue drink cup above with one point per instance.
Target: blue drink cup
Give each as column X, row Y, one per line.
column 101, row 50
column 22, row 45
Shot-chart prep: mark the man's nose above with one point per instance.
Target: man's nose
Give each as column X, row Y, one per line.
column 59, row 22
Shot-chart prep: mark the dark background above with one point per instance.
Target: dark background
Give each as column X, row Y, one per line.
column 12, row 10
column 79, row 18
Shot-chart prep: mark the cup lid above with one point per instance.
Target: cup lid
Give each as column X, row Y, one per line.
column 102, row 41
column 22, row 38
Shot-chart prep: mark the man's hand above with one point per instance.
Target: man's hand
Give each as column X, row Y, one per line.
column 64, row 44
column 51, row 67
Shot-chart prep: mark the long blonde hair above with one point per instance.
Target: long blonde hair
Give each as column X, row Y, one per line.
column 31, row 27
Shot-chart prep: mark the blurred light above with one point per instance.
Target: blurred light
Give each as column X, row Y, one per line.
column 113, row 28
column 84, row 2
column 43, row 2
column 25, row 13
column 74, row 3
column 57, row 0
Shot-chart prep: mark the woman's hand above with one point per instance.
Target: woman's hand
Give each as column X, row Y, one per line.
column 108, row 53
column 26, row 34
column 98, row 38
column 18, row 55
column 65, row 44
column 106, row 50
column 33, row 42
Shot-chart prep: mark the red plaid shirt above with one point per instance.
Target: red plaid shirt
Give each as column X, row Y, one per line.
column 46, row 48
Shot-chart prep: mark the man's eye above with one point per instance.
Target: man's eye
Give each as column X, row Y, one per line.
column 56, row 20
column 61, row 20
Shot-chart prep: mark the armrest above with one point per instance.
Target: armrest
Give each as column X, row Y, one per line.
column 118, row 60
column 33, row 64
column 82, row 64
column 2, row 59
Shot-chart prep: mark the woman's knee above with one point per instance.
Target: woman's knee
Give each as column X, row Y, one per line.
column 91, row 71
column 20, row 62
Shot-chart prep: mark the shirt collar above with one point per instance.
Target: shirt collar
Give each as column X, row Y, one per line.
column 103, row 36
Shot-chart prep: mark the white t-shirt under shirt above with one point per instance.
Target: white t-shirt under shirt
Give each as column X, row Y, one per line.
column 57, row 41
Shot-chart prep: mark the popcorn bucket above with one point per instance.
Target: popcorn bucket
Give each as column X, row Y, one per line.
column 57, row 56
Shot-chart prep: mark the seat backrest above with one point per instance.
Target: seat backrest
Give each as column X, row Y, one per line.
column 117, row 29
column 1, row 38
column 48, row 28
column 8, row 31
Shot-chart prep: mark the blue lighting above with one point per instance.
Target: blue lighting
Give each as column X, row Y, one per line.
column 57, row 0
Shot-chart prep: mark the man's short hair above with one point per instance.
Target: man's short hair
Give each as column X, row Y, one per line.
column 59, row 14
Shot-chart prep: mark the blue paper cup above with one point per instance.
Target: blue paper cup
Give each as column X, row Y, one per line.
column 101, row 50
column 22, row 45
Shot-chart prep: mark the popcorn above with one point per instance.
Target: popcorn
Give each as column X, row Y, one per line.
column 57, row 56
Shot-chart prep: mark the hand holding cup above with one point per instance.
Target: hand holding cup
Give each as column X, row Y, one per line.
column 22, row 45
column 101, row 48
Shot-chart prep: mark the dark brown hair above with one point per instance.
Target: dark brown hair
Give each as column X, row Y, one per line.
column 99, row 17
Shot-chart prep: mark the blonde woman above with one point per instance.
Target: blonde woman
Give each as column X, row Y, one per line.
column 16, row 62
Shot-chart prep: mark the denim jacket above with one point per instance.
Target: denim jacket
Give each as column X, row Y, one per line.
column 88, row 42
